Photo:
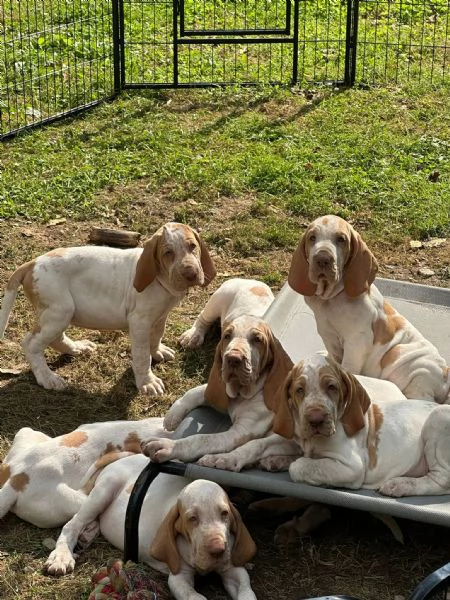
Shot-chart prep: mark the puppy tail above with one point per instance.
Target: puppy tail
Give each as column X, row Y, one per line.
column 15, row 281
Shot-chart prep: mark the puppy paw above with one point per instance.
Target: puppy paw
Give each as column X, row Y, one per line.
column 158, row 450
column 82, row 347
column 397, row 487
column 51, row 381
column 154, row 386
column 221, row 461
column 60, row 562
column 192, row 338
column 164, row 353
column 173, row 418
column 276, row 463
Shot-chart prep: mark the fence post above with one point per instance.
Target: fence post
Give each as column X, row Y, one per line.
column 118, row 55
column 351, row 42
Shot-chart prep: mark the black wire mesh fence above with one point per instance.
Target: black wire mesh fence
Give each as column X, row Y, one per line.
column 61, row 56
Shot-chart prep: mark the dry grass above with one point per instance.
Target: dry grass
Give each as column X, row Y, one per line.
column 353, row 553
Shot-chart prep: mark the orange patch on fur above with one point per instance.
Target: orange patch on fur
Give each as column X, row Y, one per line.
column 385, row 329
column 19, row 481
column 74, row 439
column 258, row 290
column 129, row 489
column 57, row 252
column 132, row 443
column 375, row 422
column 5, row 472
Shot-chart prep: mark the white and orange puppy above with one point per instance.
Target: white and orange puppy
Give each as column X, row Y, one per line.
column 235, row 297
column 109, row 289
column 184, row 529
column 355, row 433
column 334, row 270
column 249, row 366
column 43, row 478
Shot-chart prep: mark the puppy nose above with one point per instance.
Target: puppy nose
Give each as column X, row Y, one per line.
column 190, row 273
column 217, row 553
column 323, row 261
column 234, row 360
column 315, row 417
column 216, row 548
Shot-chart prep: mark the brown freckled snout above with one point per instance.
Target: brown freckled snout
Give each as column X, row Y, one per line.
column 323, row 260
column 216, row 547
column 234, row 359
column 315, row 417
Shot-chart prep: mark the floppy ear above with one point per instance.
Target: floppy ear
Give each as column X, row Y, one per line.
column 209, row 270
column 283, row 423
column 298, row 277
column 164, row 547
column 244, row 548
column 281, row 365
column 215, row 392
column 147, row 265
column 357, row 404
column 361, row 268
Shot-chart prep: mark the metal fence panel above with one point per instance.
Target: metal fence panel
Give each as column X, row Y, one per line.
column 56, row 57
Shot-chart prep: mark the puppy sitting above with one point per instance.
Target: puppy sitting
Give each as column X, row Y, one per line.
column 42, row 478
column 109, row 288
column 334, row 270
column 184, row 529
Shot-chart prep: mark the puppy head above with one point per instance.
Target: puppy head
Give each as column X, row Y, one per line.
column 316, row 394
column 204, row 529
column 248, row 358
column 331, row 255
column 178, row 255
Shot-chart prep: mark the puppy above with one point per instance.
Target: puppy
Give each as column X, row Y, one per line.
column 184, row 529
column 334, row 270
column 42, row 478
column 109, row 288
column 235, row 297
column 249, row 366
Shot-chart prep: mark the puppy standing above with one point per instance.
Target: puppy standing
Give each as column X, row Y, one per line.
column 42, row 477
column 334, row 270
column 184, row 529
column 109, row 288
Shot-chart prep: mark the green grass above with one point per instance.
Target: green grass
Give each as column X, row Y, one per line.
column 370, row 154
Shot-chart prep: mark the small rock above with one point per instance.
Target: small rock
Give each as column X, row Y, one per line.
column 425, row 272
column 434, row 242
column 49, row 543
column 413, row 244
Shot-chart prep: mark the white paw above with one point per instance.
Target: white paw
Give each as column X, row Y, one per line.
column 60, row 562
column 51, row 381
column 192, row 338
column 396, row 488
column 83, row 346
column 173, row 418
column 163, row 353
column 152, row 387
column 276, row 463
column 158, row 450
column 221, row 461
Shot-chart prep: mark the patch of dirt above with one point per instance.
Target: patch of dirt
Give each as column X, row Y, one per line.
column 353, row 553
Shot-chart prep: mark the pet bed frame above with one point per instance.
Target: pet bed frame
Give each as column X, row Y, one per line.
column 428, row 308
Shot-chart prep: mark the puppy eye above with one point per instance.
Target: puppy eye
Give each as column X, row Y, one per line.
column 258, row 338
column 168, row 254
column 192, row 247
column 193, row 519
column 300, row 391
column 225, row 514
column 332, row 388
column 312, row 238
column 226, row 336
column 341, row 239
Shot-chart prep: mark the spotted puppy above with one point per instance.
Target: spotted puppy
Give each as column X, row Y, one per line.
column 109, row 288
column 334, row 270
column 42, row 478
column 249, row 366
column 235, row 297
column 184, row 529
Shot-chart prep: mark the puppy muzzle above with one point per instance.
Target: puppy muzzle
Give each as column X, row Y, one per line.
column 318, row 421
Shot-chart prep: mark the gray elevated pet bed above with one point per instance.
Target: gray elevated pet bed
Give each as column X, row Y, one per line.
column 428, row 308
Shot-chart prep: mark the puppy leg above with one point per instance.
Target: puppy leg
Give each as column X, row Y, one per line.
column 237, row 583
column 181, row 585
column 62, row 559
column 141, row 360
column 159, row 351
column 180, row 408
column 311, row 519
column 195, row 336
